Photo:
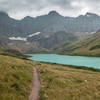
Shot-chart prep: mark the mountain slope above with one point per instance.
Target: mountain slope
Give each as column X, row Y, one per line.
column 53, row 40
column 89, row 46
column 46, row 31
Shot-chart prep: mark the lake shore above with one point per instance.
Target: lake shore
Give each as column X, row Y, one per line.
column 86, row 62
column 70, row 66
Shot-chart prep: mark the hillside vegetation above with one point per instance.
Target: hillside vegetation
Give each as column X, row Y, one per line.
column 68, row 83
column 87, row 47
column 15, row 78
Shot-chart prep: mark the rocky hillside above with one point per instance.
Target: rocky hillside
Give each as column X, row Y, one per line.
column 89, row 46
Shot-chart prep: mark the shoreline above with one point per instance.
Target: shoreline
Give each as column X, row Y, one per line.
column 67, row 65
column 70, row 66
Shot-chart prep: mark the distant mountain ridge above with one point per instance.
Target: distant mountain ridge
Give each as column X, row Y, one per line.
column 50, row 26
column 52, row 21
column 55, row 22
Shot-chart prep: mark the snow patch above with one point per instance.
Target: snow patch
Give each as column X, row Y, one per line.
column 34, row 34
column 23, row 38
column 90, row 32
column 93, row 32
column 18, row 38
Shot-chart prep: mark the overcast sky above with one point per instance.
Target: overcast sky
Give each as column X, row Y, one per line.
column 20, row 8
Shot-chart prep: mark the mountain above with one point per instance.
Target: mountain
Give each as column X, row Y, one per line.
column 45, row 32
column 48, row 24
column 54, row 22
column 88, row 47
column 7, row 25
column 86, row 23
column 53, row 40
column 51, row 23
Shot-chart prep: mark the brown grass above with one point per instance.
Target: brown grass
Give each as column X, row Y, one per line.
column 64, row 83
column 15, row 78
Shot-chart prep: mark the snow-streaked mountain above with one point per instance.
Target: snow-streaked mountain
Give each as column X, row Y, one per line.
column 47, row 31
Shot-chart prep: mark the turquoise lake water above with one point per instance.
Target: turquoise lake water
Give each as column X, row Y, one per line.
column 67, row 60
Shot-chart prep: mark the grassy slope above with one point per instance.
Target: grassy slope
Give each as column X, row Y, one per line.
column 64, row 83
column 15, row 78
column 88, row 47
column 58, row 82
column 1, row 48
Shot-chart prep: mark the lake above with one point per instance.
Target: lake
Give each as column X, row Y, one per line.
column 67, row 60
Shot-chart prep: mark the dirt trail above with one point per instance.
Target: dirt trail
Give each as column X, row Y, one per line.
column 34, row 95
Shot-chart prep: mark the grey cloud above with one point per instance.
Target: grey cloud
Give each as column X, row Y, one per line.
column 67, row 7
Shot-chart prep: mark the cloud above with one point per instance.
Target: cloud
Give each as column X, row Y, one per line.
column 21, row 8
